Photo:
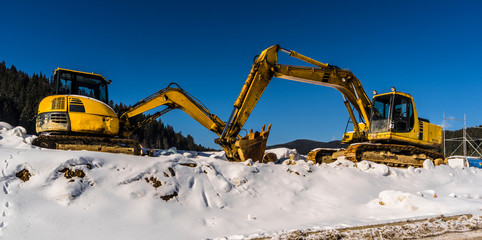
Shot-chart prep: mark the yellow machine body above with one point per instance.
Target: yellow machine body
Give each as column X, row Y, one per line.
column 79, row 106
column 78, row 114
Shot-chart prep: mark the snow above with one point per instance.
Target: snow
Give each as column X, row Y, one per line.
column 457, row 162
column 195, row 195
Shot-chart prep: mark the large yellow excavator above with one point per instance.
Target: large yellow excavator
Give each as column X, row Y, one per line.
column 78, row 117
column 387, row 131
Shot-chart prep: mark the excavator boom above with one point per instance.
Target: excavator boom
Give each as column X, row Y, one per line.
column 266, row 67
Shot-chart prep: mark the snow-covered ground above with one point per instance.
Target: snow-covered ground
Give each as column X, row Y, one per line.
column 190, row 195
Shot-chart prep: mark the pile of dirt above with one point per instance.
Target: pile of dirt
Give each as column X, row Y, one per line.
column 23, row 174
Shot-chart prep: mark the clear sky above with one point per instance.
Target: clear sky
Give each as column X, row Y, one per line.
column 429, row 49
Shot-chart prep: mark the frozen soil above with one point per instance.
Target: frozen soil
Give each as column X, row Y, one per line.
column 455, row 227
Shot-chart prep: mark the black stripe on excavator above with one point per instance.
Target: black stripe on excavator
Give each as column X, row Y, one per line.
column 77, row 108
column 76, row 105
column 326, row 77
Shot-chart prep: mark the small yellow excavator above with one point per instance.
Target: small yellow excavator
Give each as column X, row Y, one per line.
column 78, row 117
column 388, row 131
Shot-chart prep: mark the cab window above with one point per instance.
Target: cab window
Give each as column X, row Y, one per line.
column 65, row 84
column 73, row 83
column 403, row 117
column 381, row 107
column 392, row 112
column 380, row 114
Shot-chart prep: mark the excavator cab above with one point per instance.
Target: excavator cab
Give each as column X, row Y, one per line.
column 394, row 119
column 392, row 112
column 80, row 83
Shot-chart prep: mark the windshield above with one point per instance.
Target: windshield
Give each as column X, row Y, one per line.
column 381, row 107
column 380, row 115
column 392, row 113
column 72, row 83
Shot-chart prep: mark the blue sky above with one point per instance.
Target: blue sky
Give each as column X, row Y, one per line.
column 429, row 49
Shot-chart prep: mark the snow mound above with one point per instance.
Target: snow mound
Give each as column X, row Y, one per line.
column 397, row 199
column 70, row 180
column 285, row 153
column 196, row 184
column 5, row 126
column 190, row 195
column 14, row 136
column 428, row 164
column 373, row 168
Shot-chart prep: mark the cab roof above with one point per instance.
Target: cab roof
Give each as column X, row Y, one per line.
column 94, row 75
column 394, row 93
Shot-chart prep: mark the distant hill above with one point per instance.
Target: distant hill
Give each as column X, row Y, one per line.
column 304, row 146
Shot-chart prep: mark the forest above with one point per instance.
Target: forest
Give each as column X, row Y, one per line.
column 20, row 95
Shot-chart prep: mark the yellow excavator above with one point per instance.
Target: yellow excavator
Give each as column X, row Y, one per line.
column 78, row 117
column 387, row 131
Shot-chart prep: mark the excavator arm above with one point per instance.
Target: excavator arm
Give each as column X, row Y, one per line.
column 266, row 67
column 172, row 98
column 236, row 148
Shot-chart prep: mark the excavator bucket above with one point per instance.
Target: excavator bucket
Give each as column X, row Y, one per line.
column 252, row 146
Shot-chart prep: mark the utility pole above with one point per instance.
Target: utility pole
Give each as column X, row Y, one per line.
column 443, row 130
column 465, row 136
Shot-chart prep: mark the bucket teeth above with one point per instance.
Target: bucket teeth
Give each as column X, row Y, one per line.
column 253, row 145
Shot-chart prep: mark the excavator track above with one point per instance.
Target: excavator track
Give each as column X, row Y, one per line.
column 394, row 155
column 99, row 144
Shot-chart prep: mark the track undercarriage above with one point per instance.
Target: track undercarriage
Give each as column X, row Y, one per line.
column 394, row 155
column 89, row 143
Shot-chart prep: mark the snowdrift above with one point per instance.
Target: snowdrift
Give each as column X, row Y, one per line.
column 50, row 194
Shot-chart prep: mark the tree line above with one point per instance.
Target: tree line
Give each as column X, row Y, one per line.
column 20, row 95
